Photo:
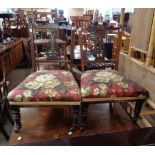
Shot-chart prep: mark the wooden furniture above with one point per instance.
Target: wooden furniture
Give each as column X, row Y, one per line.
column 81, row 21
column 117, row 44
column 52, row 51
column 89, row 13
column 46, row 88
column 6, row 24
column 89, row 54
column 19, row 26
column 45, row 47
column 10, row 56
column 100, row 86
column 4, row 104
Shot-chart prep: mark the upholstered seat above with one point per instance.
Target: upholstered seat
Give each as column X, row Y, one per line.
column 100, row 86
column 47, row 87
column 104, row 84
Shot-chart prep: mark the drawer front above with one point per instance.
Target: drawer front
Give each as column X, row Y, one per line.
column 16, row 55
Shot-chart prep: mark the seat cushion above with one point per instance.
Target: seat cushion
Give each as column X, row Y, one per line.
column 107, row 84
column 47, row 85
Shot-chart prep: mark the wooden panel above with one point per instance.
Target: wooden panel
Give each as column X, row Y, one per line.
column 5, row 64
column 10, row 56
column 16, row 55
column 141, row 28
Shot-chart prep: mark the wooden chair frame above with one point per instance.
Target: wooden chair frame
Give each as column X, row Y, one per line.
column 4, row 110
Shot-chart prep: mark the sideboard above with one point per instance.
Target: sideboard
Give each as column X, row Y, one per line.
column 11, row 55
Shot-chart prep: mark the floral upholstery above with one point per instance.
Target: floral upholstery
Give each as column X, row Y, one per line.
column 47, row 85
column 104, row 84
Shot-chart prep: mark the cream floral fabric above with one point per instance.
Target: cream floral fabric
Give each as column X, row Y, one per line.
column 47, row 85
column 101, row 83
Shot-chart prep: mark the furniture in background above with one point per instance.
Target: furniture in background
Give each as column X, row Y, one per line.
column 6, row 24
column 81, row 21
column 11, row 55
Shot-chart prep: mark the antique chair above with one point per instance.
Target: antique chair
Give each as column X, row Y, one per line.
column 75, row 21
column 53, row 88
column 4, row 104
column 95, row 56
column 19, row 26
column 102, row 86
column 50, row 51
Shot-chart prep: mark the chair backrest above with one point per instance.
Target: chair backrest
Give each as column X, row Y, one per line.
column 91, row 50
column 80, row 21
column 46, row 49
column 19, row 26
column 75, row 21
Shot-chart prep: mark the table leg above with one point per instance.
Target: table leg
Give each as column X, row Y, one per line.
column 137, row 110
column 83, row 116
column 17, row 118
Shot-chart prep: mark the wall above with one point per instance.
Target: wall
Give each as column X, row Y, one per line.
column 138, row 72
column 75, row 12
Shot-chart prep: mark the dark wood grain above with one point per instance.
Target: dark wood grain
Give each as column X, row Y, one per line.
column 53, row 123
column 145, row 136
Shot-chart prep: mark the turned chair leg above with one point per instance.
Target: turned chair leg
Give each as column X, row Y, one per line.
column 83, row 116
column 75, row 114
column 137, row 110
column 17, row 118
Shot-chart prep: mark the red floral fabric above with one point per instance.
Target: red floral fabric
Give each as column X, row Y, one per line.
column 47, row 85
column 104, row 84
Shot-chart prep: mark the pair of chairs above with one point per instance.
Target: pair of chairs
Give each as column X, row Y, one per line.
column 4, row 105
column 59, row 88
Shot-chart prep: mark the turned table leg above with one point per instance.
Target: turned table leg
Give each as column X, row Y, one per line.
column 83, row 116
column 75, row 114
column 137, row 110
column 17, row 119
